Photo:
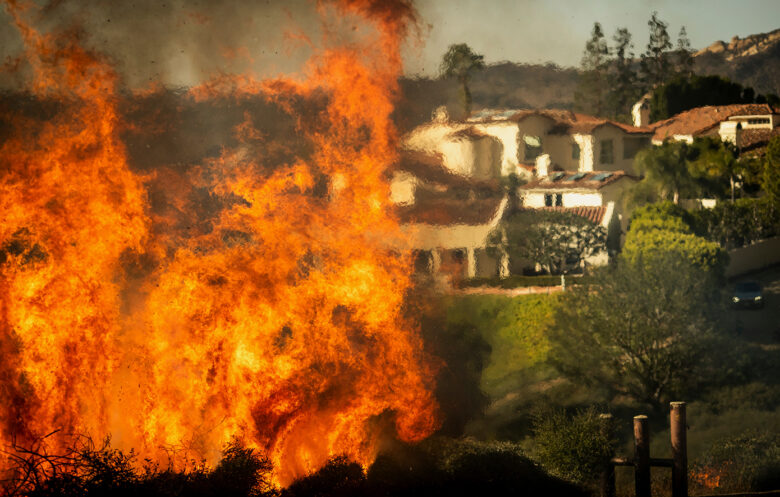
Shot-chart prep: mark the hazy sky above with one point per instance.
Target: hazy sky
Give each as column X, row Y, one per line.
column 556, row 30
column 181, row 42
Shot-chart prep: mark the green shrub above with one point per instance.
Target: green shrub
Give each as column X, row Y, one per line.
column 576, row 447
column 739, row 223
column 661, row 229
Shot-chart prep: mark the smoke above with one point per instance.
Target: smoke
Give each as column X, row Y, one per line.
column 179, row 42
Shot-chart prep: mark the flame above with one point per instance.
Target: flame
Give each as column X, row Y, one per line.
column 280, row 325
column 709, row 477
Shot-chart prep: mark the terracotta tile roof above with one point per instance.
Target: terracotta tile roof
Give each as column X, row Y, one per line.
column 470, row 132
column 430, row 168
column 565, row 121
column 566, row 181
column 701, row 119
column 594, row 214
column 751, row 139
column 445, row 211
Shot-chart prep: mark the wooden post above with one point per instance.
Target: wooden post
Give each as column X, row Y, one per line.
column 679, row 449
column 641, row 456
column 608, row 473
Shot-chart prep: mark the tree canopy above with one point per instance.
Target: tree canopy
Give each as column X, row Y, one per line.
column 663, row 230
column 557, row 241
column 592, row 90
column 643, row 330
column 687, row 91
column 460, row 62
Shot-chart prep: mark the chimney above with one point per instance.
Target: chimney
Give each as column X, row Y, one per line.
column 641, row 113
column 543, row 165
column 440, row 114
column 730, row 131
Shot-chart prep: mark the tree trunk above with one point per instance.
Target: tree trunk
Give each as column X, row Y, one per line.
column 731, row 179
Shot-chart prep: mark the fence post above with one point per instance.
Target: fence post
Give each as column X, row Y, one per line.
column 679, row 449
column 608, row 473
column 641, row 456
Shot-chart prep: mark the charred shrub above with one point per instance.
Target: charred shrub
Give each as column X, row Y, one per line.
column 340, row 477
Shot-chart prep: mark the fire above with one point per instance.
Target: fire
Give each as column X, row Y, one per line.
column 279, row 325
column 708, row 477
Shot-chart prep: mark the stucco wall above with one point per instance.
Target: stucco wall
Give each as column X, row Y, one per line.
column 619, row 163
column 754, row 257
column 587, row 146
column 507, row 134
column 559, row 147
column 454, row 236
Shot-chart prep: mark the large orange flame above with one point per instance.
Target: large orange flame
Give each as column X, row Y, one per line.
column 281, row 325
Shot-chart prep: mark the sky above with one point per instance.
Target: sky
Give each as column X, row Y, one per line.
column 538, row 31
column 181, row 42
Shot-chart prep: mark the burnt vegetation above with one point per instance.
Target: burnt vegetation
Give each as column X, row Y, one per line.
column 438, row 466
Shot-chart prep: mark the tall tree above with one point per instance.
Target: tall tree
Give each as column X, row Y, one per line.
column 642, row 330
column 666, row 168
column 622, row 77
column 770, row 176
column 460, row 62
column 591, row 93
column 655, row 63
column 716, row 162
column 684, row 54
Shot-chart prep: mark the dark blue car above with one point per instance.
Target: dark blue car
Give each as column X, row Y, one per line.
column 747, row 294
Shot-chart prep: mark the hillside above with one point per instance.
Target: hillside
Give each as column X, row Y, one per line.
column 500, row 85
column 752, row 61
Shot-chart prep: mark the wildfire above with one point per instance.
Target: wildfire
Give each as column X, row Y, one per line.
column 280, row 324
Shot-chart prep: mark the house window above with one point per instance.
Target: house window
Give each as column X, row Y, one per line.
column 533, row 147
column 606, row 155
column 553, row 199
column 575, row 151
column 759, row 120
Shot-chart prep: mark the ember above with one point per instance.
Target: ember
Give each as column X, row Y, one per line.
column 279, row 325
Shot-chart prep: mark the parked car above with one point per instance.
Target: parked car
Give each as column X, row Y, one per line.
column 747, row 294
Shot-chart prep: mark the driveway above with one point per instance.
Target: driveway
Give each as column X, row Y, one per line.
column 759, row 325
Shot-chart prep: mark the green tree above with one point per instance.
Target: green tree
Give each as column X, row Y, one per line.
column 716, row 163
column 624, row 89
column 592, row 89
column 643, row 330
column 557, row 241
column 683, row 54
column 770, row 175
column 666, row 168
column 655, row 62
column 460, row 62
column 684, row 92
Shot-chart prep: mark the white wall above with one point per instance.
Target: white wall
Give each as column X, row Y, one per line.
column 619, row 163
column 453, row 236
column 753, row 257
column 587, row 145
column 507, row 134
column 402, row 188
column 582, row 199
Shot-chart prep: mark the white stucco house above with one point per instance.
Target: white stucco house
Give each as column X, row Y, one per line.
column 504, row 142
column 595, row 195
column 748, row 126
column 447, row 217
